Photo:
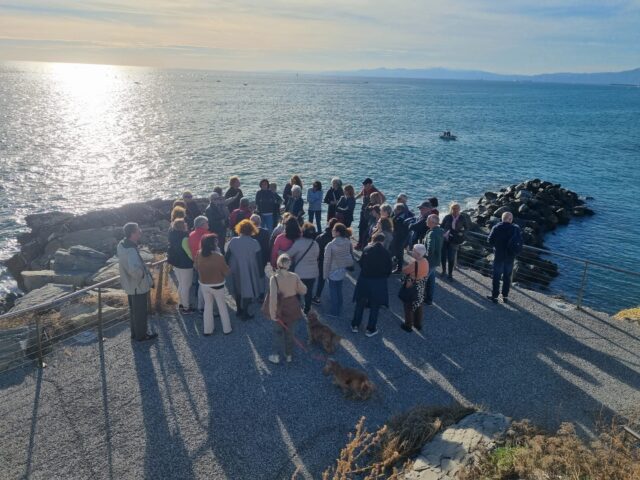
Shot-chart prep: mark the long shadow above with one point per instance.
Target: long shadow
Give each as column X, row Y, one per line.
column 165, row 453
column 34, row 422
column 105, row 407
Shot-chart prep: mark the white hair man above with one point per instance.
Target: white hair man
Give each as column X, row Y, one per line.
column 506, row 240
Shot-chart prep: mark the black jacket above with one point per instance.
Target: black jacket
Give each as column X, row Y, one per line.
column 266, row 202
column 233, row 196
column 375, row 261
column 193, row 211
column 217, row 218
column 457, row 236
column 176, row 255
column 499, row 239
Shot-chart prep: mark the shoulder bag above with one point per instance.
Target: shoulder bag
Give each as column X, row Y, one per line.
column 408, row 291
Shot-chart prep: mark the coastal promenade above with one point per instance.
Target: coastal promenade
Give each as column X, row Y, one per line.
column 189, row 406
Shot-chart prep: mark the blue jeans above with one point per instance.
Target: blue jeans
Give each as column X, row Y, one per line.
column 359, row 312
column 430, row 286
column 267, row 221
column 502, row 269
column 318, row 215
column 335, row 296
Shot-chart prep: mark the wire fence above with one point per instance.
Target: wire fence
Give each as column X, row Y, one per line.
column 31, row 334
column 561, row 274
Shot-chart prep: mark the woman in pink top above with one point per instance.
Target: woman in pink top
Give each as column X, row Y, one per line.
column 284, row 241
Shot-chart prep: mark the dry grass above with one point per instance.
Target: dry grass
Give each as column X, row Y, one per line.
column 386, row 452
column 632, row 314
column 527, row 452
column 164, row 296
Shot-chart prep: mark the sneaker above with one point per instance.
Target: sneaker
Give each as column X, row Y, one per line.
column 355, row 329
column 316, row 300
column 405, row 327
column 371, row 333
column 493, row 299
column 289, row 358
column 274, row 358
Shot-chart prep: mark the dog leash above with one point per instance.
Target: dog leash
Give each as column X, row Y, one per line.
column 301, row 345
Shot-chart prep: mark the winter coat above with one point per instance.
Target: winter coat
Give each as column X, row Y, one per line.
column 244, row 257
column 307, row 266
column 135, row 277
column 337, row 254
column 433, row 243
column 176, row 255
column 462, row 226
column 375, row 268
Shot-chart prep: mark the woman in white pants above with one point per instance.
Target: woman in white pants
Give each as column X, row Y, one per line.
column 212, row 269
column 179, row 256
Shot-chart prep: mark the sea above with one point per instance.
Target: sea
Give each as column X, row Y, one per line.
column 83, row 137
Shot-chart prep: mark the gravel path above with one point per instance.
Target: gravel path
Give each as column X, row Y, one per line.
column 189, row 406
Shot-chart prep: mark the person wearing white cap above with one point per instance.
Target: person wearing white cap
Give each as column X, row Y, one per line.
column 415, row 273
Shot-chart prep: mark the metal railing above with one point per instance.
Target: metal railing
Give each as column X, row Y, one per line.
column 534, row 268
column 33, row 336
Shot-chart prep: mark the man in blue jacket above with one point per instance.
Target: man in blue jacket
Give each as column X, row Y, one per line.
column 506, row 240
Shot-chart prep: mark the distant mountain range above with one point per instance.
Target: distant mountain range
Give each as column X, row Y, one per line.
column 628, row 77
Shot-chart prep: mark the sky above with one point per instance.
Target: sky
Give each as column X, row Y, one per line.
column 502, row 36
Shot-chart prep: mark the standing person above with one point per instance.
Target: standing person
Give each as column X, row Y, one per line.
column 233, row 194
column 418, row 225
column 367, row 189
column 415, row 272
column 244, row 257
column 179, row 257
column 286, row 193
column 201, row 228
column 295, row 204
column 284, row 307
column 323, row 240
column 284, row 241
column 333, row 196
column 346, row 206
column 278, row 206
column 304, row 256
column 455, row 226
column 262, row 237
column 386, row 228
column 193, row 210
column 400, row 235
column 178, row 212
column 243, row 212
column 212, row 270
column 433, row 243
column 506, row 240
column 314, row 200
column 371, row 288
column 136, row 281
column 217, row 214
column 338, row 257
column 266, row 202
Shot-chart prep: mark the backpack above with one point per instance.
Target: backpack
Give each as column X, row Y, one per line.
column 515, row 243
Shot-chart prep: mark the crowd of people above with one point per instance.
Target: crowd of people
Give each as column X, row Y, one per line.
column 265, row 251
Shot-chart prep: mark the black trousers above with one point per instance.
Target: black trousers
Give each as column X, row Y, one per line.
column 450, row 256
column 309, row 295
column 138, row 315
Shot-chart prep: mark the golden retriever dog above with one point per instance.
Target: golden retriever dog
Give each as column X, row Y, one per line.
column 352, row 382
column 321, row 334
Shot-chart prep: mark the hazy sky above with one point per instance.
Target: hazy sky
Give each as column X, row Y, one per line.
column 506, row 36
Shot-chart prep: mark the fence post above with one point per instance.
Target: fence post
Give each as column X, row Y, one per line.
column 41, row 363
column 159, row 288
column 582, row 285
column 100, row 330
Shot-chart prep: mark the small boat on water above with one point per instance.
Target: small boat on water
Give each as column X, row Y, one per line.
column 447, row 136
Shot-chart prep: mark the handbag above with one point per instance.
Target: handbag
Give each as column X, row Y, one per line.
column 293, row 266
column 409, row 293
column 266, row 303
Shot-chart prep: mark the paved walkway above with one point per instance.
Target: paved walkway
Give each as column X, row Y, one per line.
column 189, row 406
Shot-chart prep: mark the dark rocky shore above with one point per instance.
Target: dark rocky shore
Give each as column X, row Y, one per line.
column 78, row 250
column 538, row 207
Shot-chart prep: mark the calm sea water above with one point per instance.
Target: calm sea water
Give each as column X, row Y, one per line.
column 78, row 138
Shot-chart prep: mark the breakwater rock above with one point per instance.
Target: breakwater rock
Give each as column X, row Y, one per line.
column 538, row 207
